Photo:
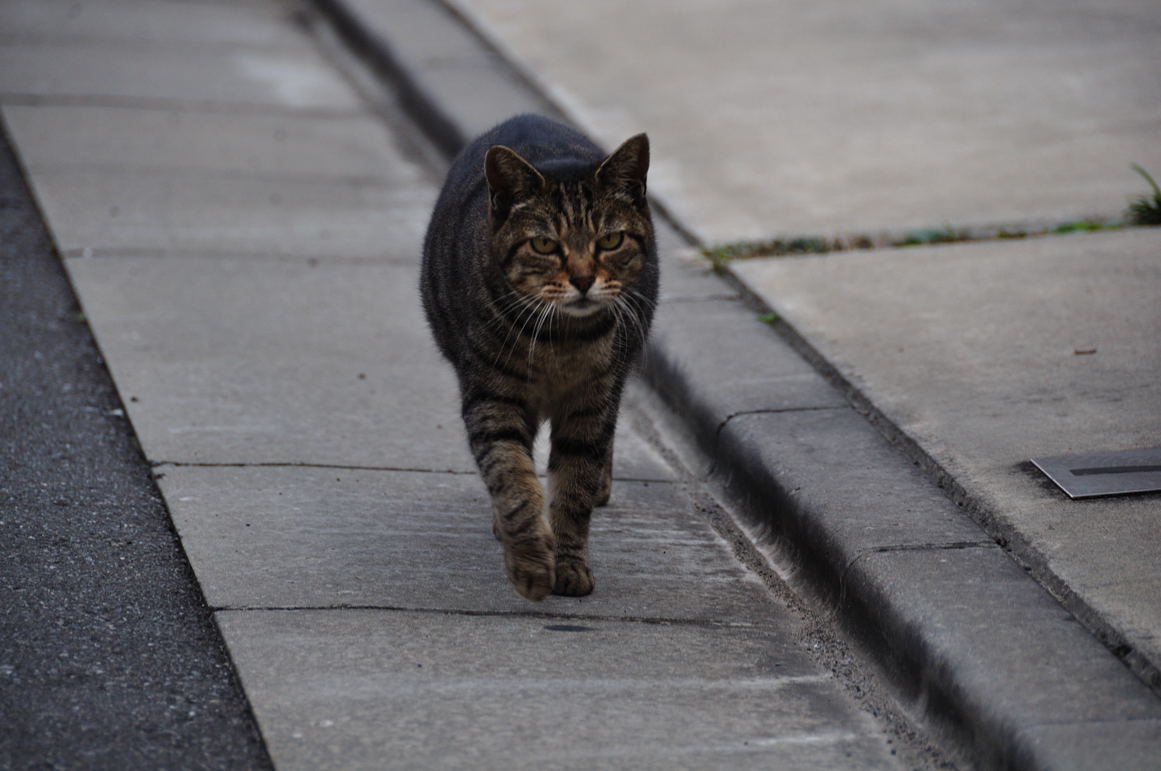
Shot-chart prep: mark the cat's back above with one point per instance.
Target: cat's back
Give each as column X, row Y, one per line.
column 539, row 140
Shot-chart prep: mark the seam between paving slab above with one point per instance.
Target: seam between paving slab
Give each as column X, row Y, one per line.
column 19, row 99
column 701, row 299
column 918, row 547
column 712, row 451
column 356, row 181
column 185, row 252
column 571, row 617
column 354, row 467
column 992, row 730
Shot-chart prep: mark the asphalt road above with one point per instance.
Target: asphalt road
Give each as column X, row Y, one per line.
column 108, row 654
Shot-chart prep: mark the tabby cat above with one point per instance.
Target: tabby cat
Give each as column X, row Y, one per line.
column 539, row 282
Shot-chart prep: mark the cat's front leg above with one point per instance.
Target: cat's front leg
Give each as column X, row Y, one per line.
column 577, row 463
column 605, row 491
column 501, row 441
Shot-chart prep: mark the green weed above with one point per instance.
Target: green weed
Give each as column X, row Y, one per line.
column 722, row 255
column 1145, row 210
column 947, row 235
column 1087, row 226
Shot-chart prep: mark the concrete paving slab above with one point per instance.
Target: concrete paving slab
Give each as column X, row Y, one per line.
column 162, row 211
column 1069, row 534
column 246, row 360
column 425, row 50
column 685, row 273
column 261, row 360
column 238, row 77
column 988, row 354
column 152, row 22
column 773, row 119
column 323, row 147
column 1020, row 661
column 830, row 480
column 1083, row 746
column 698, row 335
column 944, row 610
column 309, row 537
column 975, row 605
column 411, row 690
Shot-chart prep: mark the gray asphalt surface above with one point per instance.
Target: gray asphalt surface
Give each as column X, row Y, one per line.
column 108, row 654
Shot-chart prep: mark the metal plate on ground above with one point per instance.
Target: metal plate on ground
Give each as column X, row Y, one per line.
column 1089, row 475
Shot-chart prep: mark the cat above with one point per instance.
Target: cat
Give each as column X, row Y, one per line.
column 539, row 282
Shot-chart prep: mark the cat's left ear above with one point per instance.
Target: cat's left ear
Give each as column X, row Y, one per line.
column 510, row 179
column 627, row 166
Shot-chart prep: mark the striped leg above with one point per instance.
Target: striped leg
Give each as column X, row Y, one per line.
column 605, row 491
column 500, row 435
column 581, row 447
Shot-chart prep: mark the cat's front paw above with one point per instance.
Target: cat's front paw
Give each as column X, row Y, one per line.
column 531, row 566
column 573, row 578
column 604, row 493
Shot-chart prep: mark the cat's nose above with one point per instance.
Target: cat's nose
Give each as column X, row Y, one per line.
column 582, row 283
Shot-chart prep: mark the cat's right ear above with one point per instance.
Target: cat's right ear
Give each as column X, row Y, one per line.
column 510, row 180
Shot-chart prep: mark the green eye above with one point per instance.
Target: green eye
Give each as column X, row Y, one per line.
column 544, row 245
column 610, row 241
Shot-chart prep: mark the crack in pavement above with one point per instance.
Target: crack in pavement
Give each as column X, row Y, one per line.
column 355, row 467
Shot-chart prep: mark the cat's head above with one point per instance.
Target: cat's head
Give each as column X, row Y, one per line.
column 569, row 236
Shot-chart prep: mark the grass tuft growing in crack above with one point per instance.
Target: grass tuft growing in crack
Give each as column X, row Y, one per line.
column 945, row 235
column 1145, row 210
column 1087, row 226
column 721, row 255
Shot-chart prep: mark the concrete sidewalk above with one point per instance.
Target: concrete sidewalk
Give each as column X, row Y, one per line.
column 242, row 226
column 982, row 355
column 876, row 120
column 855, row 117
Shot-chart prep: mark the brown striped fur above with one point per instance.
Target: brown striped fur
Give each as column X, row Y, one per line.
column 539, row 281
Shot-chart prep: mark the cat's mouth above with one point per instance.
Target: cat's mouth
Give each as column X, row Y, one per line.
column 582, row 306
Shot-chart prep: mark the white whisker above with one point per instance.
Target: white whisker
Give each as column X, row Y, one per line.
column 528, row 312
column 545, row 313
column 633, row 313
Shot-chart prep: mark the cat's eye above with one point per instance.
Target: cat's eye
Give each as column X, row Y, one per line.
column 542, row 245
column 610, row 241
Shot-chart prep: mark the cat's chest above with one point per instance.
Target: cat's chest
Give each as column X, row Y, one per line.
column 569, row 375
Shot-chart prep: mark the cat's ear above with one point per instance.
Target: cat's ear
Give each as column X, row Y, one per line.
column 626, row 167
column 510, row 179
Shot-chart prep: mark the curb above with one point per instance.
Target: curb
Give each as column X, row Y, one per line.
column 969, row 639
